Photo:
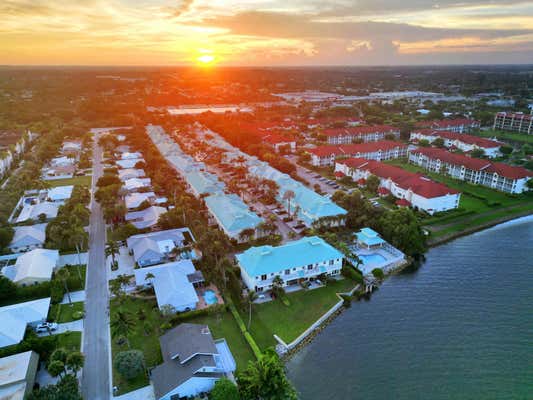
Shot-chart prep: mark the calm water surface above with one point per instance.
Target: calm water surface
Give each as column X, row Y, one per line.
column 459, row 327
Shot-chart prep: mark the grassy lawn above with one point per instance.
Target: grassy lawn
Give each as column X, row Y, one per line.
column 306, row 306
column 77, row 180
column 512, row 136
column 61, row 313
column 69, row 340
column 223, row 325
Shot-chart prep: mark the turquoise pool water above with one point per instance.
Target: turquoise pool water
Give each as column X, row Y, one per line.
column 210, row 297
column 372, row 259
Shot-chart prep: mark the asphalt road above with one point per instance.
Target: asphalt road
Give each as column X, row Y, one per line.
column 96, row 383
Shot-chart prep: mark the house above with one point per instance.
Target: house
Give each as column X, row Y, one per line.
column 71, row 148
column 34, row 211
column 458, row 125
column 145, row 218
column 62, row 161
column 409, row 188
column 130, row 173
column 231, row 214
column 28, row 237
column 173, row 283
column 59, row 194
column 296, row 261
column 128, row 163
column 363, row 133
column 130, row 156
column 134, row 184
column 369, row 239
column 514, row 122
column 202, row 182
column 135, row 199
column 382, row 150
column 17, row 375
column 155, row 247
column 59, row 172
column 495, row 175
column 35, row 266
column 16, row 317
column 192, row 362
column 461, row 141
column 281, row 141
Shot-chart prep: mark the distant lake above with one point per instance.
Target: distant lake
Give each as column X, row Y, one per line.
column 458, row 327
column 200, row 110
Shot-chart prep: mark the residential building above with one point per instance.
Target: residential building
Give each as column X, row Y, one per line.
column 62, row 161
column 34, row 211
column 35, row 266
column 409, row 188
column 383, row 150
column 192, row 362
column 478, row 171
column 461, row 141
column 231, row 214
column 17, row 375
column 134, row 184
column 514, row 122
column 158, row 247
column 128, row 163
column 71, row 148
column 146, row 218
column 130, row 173
column 173, row 283
column 294, row 262
column 203, row 182
column 281, row 141
column 16, row 317
column 28, row 237
column 130, row 156
column 361, row 133
column 458, row 125
column 59, row 194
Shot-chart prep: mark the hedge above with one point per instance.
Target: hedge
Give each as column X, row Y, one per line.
column 249, row 338
column 181, row 317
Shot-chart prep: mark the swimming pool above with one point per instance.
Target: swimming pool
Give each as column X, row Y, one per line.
column 372, row 259
column 210, row 297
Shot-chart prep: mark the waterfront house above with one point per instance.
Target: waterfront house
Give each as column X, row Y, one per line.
column 17, row 375
column 146, row 218
column 28, row 237
column 297, row 261
column 369, row 238
column 16, row 317
column 35, row 266
column 192, row 362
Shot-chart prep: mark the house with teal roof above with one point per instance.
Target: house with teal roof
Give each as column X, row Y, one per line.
column 202, row 182
column 294, row 262
column 231, row 214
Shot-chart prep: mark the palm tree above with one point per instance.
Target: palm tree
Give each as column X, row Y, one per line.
column 63, row 275
column 252, row 296
column 288, row 196
column 150, row 278
column 77, row 237
column 122, row 325
column 111, row 249
column 246, row 234
column 75, row 362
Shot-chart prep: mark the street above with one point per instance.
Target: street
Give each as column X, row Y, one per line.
column 96, row 383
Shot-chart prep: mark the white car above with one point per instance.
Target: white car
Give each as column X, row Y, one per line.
column 46, row 327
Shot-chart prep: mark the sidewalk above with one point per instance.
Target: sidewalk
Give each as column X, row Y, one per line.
column 75, row 296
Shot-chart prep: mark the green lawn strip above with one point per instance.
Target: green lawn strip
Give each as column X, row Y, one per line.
column 306, row 306
column 512, row 136
column 223, row 325
column 62, row 313
column 69, row 340
column 77, row 180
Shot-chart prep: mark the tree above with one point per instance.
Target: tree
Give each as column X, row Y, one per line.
column 402, row 229
column 478, row 153
column 372, row 184
column 288, row 196
column 265, row 379
column 423, row 143
column 7, row 288
column 506, row 149
column 42, row 217
column 62, row 274
column 56, row 368
column 150, row 278
column 6, row 235
column 74, row 362
column 122, row 325
column 246, row 234
column 129, row 363
column 224, row 390
column 252, row 296
column 111, row 249
column 66, row 389
column 438, row 142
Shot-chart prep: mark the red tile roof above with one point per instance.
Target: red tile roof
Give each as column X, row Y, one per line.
column 444, row 123
column 475, row 164
column 339, row 174
column 362, row 148
column 360, row 130
column 403, row 203
column 462, row 137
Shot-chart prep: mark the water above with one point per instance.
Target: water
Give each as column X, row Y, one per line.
column 372, row 259
column 210, row 297
column 459, row 327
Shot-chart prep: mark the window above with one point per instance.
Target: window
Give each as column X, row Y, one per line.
column 331, row 262
column 310, row 266
column 263, row 277
column 287, row 271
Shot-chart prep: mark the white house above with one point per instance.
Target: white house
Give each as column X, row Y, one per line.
column 135, row 199
column 129, row 173
column 128, row 163
column 35, row 266
column 382, row 150
column 34, row 211
column 59, row 194
column 145, row 218
column 16, row 317
column 192, row 362
column 28, row 237
column 296, row 261
column 17, row 375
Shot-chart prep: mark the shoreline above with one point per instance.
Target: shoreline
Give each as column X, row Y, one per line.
column 478, row 228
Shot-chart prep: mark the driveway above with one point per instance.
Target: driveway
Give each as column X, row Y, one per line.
column 75, row 296
column 96, row 383
column 74, row 326
column 126, row 264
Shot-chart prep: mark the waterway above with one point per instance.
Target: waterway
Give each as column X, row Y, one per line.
column 460, row 326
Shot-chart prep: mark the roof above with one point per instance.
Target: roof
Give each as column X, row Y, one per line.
column 204, row 182
column 137, row 243
column 145, row 218
column 475, row 164
column 461, row 137
column 35, row 264
column 15, row 317
column 185, row 341
column 445, row 123
column 403, row 203
column 231, row 212
column 59, row 193
column 130, row 163
column 518, row 115
column 360, row 130
column 134, row 200
column 136, row 183
column 13, row 372
column 29, row 234
column 353, row 149
column 130, row 156
column 268, row 259
column 33, row 211
column 369, row 236
column 128, row 173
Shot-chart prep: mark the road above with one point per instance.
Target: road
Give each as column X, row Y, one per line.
column 309, row 176
column 96, row 383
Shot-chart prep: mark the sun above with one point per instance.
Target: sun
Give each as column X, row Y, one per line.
column 206, row 59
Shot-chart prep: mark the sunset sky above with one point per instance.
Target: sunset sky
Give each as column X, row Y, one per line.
column 265, row 32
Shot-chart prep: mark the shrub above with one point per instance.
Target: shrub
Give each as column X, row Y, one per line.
column 352, row 273
column 77, row 314
column 378, row 273
column 224, row 390
column 129, row 363
column 347, row 300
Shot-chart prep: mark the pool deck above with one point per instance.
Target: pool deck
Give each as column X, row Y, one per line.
column 202, row 303
column 391, row 255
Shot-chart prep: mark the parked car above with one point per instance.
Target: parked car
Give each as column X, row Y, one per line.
column 46, row 327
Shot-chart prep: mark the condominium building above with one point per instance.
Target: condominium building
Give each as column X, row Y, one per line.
column 383, row 150
column 363, row 133
column 514, row 122
column 458, row 125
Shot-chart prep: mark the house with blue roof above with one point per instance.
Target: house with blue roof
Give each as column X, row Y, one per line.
column 297, row 261
column 231, row 214
column 202, row 182
column 369, row 238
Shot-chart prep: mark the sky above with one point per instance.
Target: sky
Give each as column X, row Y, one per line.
column 265, row 32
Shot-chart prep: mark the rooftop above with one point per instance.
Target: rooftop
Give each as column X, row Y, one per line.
column 231, row 212
column 348, row 149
